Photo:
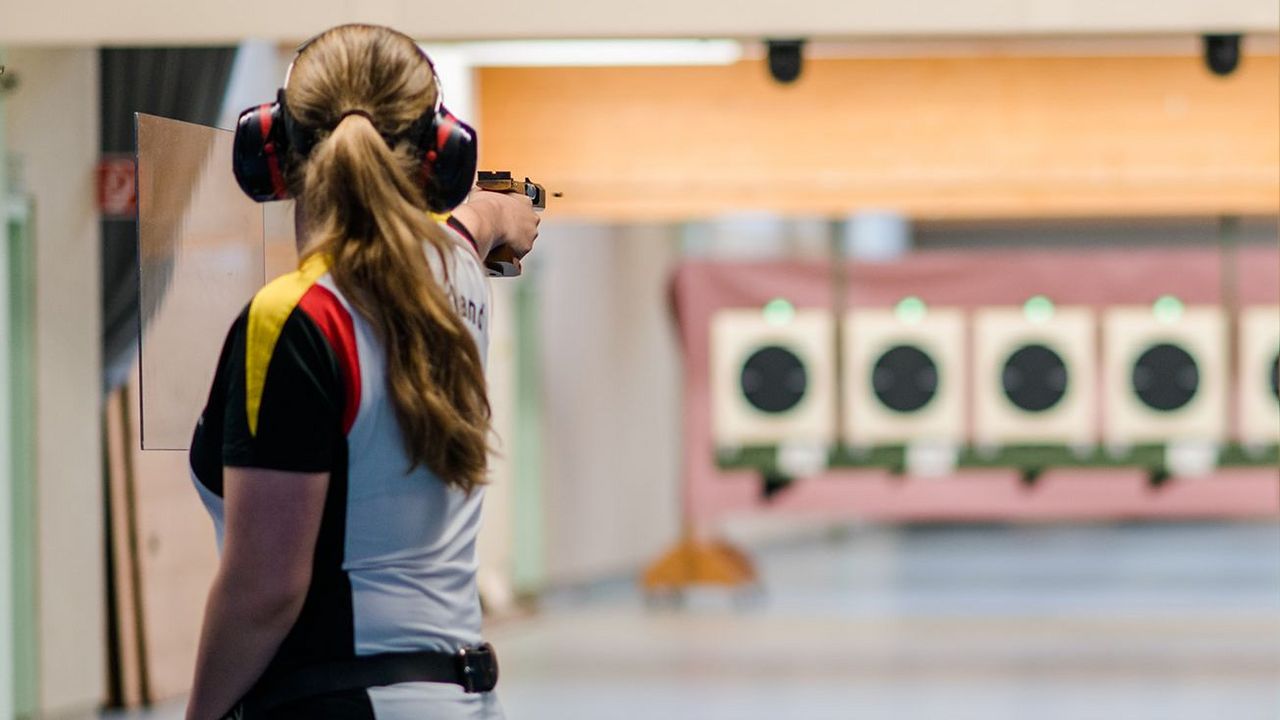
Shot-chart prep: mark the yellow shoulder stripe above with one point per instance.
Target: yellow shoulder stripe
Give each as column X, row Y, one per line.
column 268, row 312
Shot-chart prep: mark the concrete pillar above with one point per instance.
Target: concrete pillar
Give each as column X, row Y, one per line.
column 53, row 127
column 6, row 415
column 610, row 390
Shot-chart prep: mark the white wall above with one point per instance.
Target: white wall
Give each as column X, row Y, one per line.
column 53, row 128
column 164, row 21
column 610, row 397
column 256, row 74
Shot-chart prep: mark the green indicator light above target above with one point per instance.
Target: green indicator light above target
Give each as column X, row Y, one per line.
column 1038, row 310
column 911, row 310
column 1168, row 309
column 779, row 311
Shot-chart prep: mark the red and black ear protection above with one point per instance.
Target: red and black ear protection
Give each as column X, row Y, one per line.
column 268, row 138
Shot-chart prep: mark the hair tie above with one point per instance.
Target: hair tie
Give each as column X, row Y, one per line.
column 361, row 113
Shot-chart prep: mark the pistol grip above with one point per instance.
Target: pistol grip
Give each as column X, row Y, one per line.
column 502, row 262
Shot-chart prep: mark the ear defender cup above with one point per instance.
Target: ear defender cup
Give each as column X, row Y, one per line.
column 448, row 147
column 258, row 153
column 266, row 136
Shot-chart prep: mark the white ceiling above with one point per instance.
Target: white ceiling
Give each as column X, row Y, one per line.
column 93, row 22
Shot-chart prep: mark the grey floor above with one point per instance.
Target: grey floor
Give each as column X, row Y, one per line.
column 1167, row 622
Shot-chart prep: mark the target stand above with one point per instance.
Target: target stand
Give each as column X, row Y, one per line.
column 1059, row 362
column 698, row 562
column 774, row 380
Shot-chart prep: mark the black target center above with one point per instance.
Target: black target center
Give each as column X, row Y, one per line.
column 1035, row 378
column 905, row 378
column 1275, row 376
column 774, row 379
column 1166, row 377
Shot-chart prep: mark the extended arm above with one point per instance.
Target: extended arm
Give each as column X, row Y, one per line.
column 495, row 219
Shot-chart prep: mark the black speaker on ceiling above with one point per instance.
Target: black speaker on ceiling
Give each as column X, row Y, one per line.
column 786, row 59
column 1222, row 53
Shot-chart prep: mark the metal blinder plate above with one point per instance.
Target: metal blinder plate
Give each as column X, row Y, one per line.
column 202, row 256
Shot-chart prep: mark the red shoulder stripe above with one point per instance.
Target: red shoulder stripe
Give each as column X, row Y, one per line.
column 328, row 313
column 462, row 230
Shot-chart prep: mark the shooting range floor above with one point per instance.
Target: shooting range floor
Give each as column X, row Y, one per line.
column 1167, row 622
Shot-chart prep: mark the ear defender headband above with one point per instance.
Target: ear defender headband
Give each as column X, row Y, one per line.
column 267, row 136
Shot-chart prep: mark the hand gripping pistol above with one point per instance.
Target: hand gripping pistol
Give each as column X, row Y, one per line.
column 501, row 261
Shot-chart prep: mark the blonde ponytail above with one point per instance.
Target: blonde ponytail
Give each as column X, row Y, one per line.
column 365, row 208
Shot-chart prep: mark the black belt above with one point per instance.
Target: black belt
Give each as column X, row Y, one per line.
column 474, row 668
